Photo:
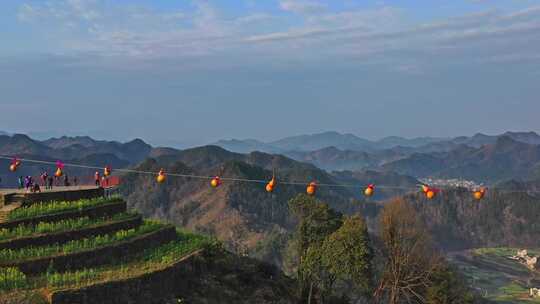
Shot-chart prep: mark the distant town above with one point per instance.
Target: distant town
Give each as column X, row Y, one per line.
column 450, row 183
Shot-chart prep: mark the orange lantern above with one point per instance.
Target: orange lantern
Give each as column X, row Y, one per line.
column 107, row 171
column 215, row 182
column 479, row 194
column 161, row 176
column 59, row 167
column 370, row 189
column 429, row 192
column 58, row 172
column 271, row 184
column 15, row 163
column 311, row 188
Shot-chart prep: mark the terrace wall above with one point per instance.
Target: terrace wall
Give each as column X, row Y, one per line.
column 68, row 195
column 66, row 236
column 95, row 212
column 5, row 199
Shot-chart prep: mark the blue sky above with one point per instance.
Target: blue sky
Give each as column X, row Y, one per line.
column 192, row 72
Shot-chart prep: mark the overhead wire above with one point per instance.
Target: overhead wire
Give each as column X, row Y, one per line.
column 235, row 179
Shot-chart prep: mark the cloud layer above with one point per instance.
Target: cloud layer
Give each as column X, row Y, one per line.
column 303, row 31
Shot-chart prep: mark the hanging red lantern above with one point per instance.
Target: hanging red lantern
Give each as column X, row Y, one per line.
column 59, row 169
column 15, row 163
column 370, row 190
column 479, row 194
column 215, row 182
column 161, row 176
column 271, row 184
column 430, row 192
column 107, row 171
column 311, row 188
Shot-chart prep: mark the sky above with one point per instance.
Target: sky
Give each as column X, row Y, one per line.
column 183, row 73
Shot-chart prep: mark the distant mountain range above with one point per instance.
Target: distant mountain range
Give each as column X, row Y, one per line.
column 72, row 148
column 350, row 142
column 79, row 150
column 308, row 143
column 501, row 160
column 467, row 157
column 483, row 158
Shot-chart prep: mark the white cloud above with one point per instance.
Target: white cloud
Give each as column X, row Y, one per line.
column 381, row 34
column 302, row 6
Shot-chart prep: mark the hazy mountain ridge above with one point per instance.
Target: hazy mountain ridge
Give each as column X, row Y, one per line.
column 72, row 148
column 480, row 157
column 318, row 141
column 78, row 150
column 334, row 159
column 502, row 160
column 312, row 142
column 420, row 157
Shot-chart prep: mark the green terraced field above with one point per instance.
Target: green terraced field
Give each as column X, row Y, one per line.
column 150, row 260
column 60, row 226
column 157, row 256
column 495, row 276
column 7, row 255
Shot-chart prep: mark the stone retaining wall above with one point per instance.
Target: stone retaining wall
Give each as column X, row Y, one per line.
column 98, row 256
column 148, row 288
column 108, row 209
column 68, row 195
column 66, row 236
column 5, row 199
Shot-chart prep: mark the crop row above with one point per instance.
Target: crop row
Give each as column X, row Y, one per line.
column 46, row 208
column 11, row 278
column 55, row 227
column 10, row 255
column 148, row 261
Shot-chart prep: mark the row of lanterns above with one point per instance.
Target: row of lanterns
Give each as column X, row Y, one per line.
column 311, row 189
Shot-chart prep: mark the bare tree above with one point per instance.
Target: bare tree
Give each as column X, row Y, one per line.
column 410, row 258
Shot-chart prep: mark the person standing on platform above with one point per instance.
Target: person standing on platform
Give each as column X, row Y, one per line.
column 21, row 182
column 51, row 182
column 44, row 176
column 97, row 179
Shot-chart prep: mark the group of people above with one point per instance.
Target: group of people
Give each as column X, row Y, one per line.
column 100, row 181
column 31, row 184
column 47, row 181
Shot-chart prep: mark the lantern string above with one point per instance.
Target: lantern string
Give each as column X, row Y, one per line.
column 246, row 180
